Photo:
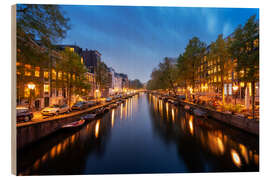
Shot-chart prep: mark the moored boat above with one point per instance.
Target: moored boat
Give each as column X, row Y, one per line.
column 73, row 125
column 89, row 116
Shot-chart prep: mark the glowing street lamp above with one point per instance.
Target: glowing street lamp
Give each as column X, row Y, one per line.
column 235, row 88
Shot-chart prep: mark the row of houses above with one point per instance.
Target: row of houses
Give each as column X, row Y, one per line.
column 42, row 86
column 208, row 81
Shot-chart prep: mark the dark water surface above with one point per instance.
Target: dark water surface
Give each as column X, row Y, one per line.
column 143, row 135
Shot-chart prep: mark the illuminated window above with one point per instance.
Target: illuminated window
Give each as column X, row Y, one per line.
column 73, row 77
column 46, row 88
column 219, row 78
column 65, row 76
column 37, row 71
column 53, row 74
column 27, row 70
column 60, row 75
column 18, row 63
column 215, row 79
column 46, row 74
column 215, row 69
column 26, row 92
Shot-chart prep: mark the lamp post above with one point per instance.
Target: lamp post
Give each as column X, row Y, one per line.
column 235, row 88
column 31, row 87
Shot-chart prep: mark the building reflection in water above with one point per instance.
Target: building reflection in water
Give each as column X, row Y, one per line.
column 97, row 128
column 221, row 141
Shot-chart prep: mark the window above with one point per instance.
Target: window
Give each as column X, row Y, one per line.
column 46, row 74
column 37, row 71
column 27, row 70
column 46, row 88
column 60, row 75
column 53, row 74
column 26, row 92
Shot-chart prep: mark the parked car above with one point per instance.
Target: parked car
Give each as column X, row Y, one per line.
column 79, row 105
column 55, row 110
column 108, row 99
column 91, row 103
column 23, row 114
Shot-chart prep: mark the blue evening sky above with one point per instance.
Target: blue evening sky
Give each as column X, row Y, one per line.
column 133, row 40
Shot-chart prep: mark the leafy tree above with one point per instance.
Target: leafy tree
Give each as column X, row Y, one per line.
column 219, row 51
column 135, row 84
column 45, row 23
column 245, row 49
column 164, row 77
column 103, row 75
column 74, row 79
column 194, row 52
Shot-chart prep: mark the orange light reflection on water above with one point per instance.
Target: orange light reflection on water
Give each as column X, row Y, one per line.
column 236, row 158
column 97, row 128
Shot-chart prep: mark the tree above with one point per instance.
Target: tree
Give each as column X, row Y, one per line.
column 74, row 74
column 164, row 77
column 135, row 84
column 45, row 23
column 103, row 76
column 188, row 62
column 194, row 52
column 245, row 49
column 219, row 51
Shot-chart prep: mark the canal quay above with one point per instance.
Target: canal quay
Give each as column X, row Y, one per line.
column 143, row 134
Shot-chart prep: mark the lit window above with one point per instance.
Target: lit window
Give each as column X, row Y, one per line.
column 53, row 74
column 73, row 77
column 46, row 88
column 27, row 70
column 215, row 79
column 46, row 74
column 18, row 63
column 60, row 75
column 37, row 71
column 26, row 92
column 65, row 76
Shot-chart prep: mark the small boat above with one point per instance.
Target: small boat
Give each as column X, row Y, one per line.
column 200, row 113
column 74, row 124
column 89, row 116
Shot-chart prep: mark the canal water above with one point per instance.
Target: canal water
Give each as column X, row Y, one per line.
column 143, row 135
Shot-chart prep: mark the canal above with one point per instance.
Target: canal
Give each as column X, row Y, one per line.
column 142, row 135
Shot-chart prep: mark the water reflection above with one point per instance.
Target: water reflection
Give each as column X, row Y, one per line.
column 142, row 135
column 215, row 140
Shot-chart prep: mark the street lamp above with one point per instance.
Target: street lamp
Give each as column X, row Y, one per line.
column 31, row 87
column 235, row 88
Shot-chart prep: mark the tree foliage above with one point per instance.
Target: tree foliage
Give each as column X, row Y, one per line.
column 103, row 75
column 187, row 63
column 74, row 79
column 135, row 84
column 45, row 23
